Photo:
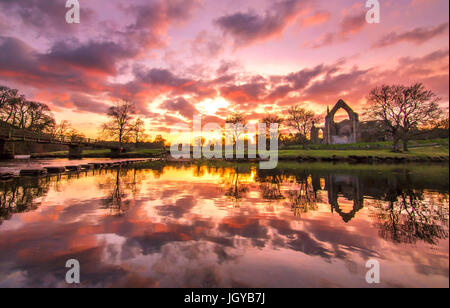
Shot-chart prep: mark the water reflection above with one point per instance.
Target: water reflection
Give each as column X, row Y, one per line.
column 413, row 215
column 121, row 187
column 21, row 197
column 201, row 226
column 234, row 187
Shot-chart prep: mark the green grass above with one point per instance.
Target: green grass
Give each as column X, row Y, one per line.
column 422, row 152
column 419, row 149
column 369, row 145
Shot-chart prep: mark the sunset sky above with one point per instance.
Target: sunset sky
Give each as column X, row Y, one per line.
column 179, row 58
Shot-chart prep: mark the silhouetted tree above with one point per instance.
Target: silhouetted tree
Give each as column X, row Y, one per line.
column 62, row 129
column 237, row 118
column 301, row 120
column 273, row 119
column 17, row 111
column 138, row 131
column 119, row 127
column 160, row 141
column 402, row 110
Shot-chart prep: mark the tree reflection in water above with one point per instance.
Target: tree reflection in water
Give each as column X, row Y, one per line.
column 405, row 210
column 234, row 189
column 18, row 196
column 412, row 215
column 270, row 185
column 122, row 187
column 404, row 215
column 304, row 198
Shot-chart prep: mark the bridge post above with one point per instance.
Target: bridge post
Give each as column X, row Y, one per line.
column 75, row 151
column 5, row 152
column 115, row 152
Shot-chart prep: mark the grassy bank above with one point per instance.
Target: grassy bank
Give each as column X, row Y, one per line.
column 420, row 151
column 386, row 145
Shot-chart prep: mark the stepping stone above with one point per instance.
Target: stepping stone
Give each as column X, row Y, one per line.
column 33, row 172
column 73, row 168
column 6, row 176
column 55, row 169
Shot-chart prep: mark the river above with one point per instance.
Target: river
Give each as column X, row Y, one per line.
column 301, row 225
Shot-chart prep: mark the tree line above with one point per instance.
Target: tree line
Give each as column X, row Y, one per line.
column 19, row 112
column 400, row 110
column 402, row 113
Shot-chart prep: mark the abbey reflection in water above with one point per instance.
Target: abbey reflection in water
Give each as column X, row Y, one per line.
column 405, row 208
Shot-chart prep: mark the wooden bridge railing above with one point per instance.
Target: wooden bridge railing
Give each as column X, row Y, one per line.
column 8, row 132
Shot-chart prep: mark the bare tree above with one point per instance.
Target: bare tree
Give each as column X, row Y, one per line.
column 238, row 120
column 11, row 106
column 160, row 141
column 17, row 111
column 301, row 120
column 39, row 117
column 62, row 128
column 403, row 109
column 119, row 127
column 273, row 119
column 5, row 95
column 443, row 122
column 75, row 135
column 138, row 131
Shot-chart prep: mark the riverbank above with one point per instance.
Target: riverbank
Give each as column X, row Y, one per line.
column 436, row 154
column 105, row 153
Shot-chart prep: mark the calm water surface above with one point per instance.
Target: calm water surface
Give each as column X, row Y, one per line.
column 302, row 225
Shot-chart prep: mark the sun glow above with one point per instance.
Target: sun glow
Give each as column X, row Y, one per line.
column 210, row 106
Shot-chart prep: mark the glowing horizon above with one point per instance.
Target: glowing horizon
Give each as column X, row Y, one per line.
column 179, row 58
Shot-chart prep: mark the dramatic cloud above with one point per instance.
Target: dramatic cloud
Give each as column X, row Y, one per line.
column 101, row 57
column 417, row 36
column 182, row 106
column 85, row 103
column 47, row 16
column 177, row 58
column 152, row 20
column 68, row 69
column 249, row 27
column 350, row 25
column 296, row 81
